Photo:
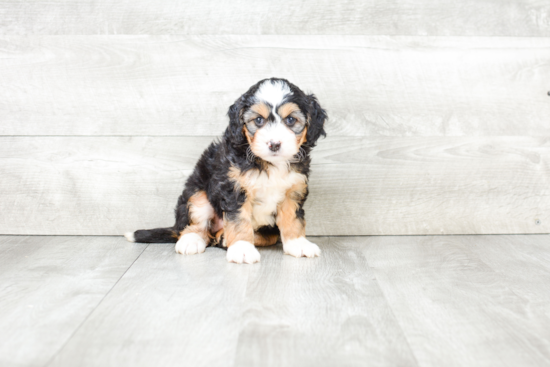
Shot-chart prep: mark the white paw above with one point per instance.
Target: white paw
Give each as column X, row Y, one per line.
column 299, row 247
column 242, row 252
column 190, row 243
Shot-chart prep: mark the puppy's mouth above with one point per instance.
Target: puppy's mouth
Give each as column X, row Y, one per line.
column 272, row 156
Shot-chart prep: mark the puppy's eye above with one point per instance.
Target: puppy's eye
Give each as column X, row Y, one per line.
column 290, row 121
column 259, row 121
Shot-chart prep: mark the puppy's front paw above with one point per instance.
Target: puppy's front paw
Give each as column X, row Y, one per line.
column 299, row 247
column 242, row 252
column 190, row 243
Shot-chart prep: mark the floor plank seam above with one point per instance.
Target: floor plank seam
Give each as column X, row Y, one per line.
column 93, row 310
column 235, row 360
column 393, row 313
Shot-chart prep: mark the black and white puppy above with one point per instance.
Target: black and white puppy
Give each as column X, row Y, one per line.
column 249, row 188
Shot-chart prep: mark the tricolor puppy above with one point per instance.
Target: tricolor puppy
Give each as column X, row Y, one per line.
column 249, row 188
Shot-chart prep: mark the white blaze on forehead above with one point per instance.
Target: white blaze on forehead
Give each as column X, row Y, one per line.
column 272, row 92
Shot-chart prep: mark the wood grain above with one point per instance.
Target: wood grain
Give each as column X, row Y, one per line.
column 523, row 262
column 327, row 311
column 358, row 186
column 49, row 286
column 88, row 185
column 386, row 300
column 168, row 310
column 201, row 311
column 183, row 85
column 420, row 17
column 457, row 310
column 453, row 185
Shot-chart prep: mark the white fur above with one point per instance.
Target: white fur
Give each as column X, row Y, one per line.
column 243, row 252
column 190, row 243
column 301, row 247
column 269, row 189
column 202, row 214
column 276, row 132
column 130, row 236
column 272, row 93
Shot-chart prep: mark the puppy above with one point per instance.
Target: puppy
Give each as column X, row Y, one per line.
column 249, row 188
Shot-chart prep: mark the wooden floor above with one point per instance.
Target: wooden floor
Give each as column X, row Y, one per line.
column 376, row 301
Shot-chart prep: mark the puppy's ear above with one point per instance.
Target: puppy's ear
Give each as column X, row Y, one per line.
column 317, row 117
column 235, row 129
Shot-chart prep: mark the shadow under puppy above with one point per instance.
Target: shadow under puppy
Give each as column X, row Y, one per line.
column 249, row 188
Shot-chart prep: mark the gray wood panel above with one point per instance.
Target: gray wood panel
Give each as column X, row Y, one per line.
column 183, row 85
column 168, row 310
column 457, row 310
column 359, row 186
column 174, row 310
column 420, row 17
column 49, row 286
column 385, row 301
column 524, row 263
column 325, row 312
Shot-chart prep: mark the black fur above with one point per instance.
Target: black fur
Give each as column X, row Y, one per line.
column 211, row 172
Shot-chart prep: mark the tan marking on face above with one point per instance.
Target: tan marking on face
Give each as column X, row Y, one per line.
column 246, row 133
column 286, row 109
column 301, row 138
column 265, row 239
column 261, row 109
column 198, row 204
column 290, row 226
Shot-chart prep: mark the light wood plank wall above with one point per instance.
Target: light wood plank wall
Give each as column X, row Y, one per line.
column 439, row 112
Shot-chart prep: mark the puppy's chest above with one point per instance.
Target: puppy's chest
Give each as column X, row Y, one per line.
column 266, row 191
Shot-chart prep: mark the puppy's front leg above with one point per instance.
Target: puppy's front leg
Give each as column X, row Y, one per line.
column 239, row 236
column 292, row 225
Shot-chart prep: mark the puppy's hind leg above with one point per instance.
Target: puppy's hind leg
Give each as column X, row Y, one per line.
column 265, row 239
column 193, row 238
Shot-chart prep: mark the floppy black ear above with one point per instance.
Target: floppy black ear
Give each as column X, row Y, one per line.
column 317, row 117
column 235, row 129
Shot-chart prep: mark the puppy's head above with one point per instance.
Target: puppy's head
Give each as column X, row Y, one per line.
column 276, row 119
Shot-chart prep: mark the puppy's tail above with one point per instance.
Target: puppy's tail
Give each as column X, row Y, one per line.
column 157, row 235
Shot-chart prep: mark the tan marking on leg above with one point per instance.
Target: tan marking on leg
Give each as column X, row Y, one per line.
column 193, row 228
column 239, row 229
column 290, row 226
column 217, row 238
column 246, row 133
column 265, row 239
column 199, row 216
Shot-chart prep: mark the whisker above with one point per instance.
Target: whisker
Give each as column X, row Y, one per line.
column 301, row 155
column 249, row 155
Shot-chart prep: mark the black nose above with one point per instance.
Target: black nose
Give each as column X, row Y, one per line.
column 274, row 146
